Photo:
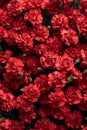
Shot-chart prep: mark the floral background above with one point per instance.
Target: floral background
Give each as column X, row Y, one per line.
column 43, row 64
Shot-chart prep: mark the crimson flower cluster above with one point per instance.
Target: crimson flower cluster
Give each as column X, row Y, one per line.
column 43, row 64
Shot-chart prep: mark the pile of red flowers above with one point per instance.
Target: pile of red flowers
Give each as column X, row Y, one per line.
column 43, row 64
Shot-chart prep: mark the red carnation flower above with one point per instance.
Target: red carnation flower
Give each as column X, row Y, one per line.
column 75, row 120
column 4, row 56
column 74, row 51
column 40, row 33
column 27, row 117
column 47, row 110
column 34, row 16
column 73, row 95
column 5, row 19
column 7, row 101
column 27, row 42
column 82, row 24
column 57, row 79
column 69, row 36
column 14, row 65
column 52, row 7
column 64, row 63
column 31, row 64
column 59, row 21
column 12, row 37
column 55, row 45
column 65, row 110
column 23, row 104
column 40, row 49
column 48, row 59
column 19, row 24
column 20, row 78
column 15, row 7
column 57, row 99
column 31, row 92
column 42, row 83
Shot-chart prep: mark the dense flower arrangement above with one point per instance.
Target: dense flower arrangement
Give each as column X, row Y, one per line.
column 43, row 64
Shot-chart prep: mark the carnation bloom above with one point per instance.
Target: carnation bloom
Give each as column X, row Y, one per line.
column 48, row 60
column 31, row 92
column 40, row 33
column 15, row 7
column 23, row 104
column 14, row 65
column 75, row 120
column 57, row 79
column 52, row 7
column 74, row 51
column 5, row 19
column 31, row 64
column 73, row 95
column 64, row 63
column 34, row 16
column 57, row 98
column 4, row 56
column 19, row 24
column 26, row 42
column 54, row 44
column 12, row 37
column 82, row 24
column 65, row 110
column 7, row 101
column 45, row 111
column 40, row 49
column 42, row 83
column 27, row 117
column 69, row 36
column 59, row 21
